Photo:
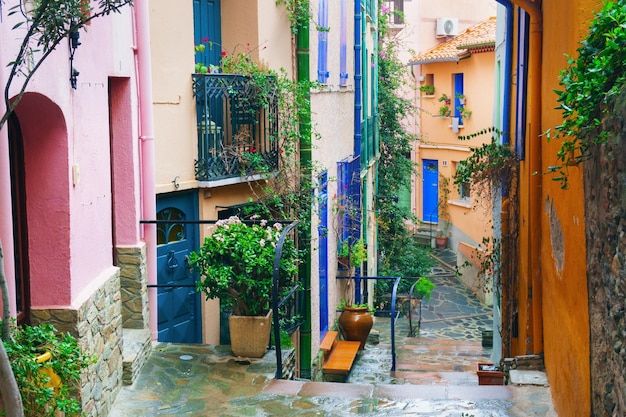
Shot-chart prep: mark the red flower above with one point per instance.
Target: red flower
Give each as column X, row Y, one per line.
column 205, row 39
column 223, row 53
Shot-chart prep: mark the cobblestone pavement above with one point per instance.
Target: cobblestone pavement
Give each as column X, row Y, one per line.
column 435, row 375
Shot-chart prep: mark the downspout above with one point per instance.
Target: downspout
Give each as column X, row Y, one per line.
column 302, row 57
column 505, row 270
column 146, row 137
column 358, row 105
column 533, row 146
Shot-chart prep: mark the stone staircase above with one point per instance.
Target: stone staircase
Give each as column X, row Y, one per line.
column 136, row 347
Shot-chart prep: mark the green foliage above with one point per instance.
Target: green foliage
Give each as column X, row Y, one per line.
column 48, row 23
column 67, row 361
column 489, row 166
column 406, row 258
column 356, row 252
column 343, row 304
column 423, row 288
column 298, row 13
column 589, row 81
column 427, row 89
column 236, row 264
column 395, row 167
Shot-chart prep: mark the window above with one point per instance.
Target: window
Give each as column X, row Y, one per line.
column 464, row 187
column 458, row 93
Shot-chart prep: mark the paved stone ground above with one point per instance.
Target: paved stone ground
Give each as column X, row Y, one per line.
column 435, row 375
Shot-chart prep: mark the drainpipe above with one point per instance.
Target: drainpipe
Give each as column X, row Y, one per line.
column 358, row 105
column 302, row 56
column 505, row 203
column 146, row 137
column 533, row 8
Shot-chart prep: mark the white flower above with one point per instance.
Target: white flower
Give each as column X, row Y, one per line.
column 262, row 242
column 278, row 226
column 263, row 223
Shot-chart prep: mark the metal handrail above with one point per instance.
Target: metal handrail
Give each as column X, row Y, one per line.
column 394, row 315
column 419, row 320
column 276, row 303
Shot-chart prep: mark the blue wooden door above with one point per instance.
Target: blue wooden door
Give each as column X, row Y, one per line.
column 208, row 30
column 322, row 231
column 430, row 190
column 179, row 310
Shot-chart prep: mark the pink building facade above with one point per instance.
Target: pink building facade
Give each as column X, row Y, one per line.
column 74, row 191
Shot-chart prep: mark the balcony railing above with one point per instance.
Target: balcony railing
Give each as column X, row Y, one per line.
column 237, row 126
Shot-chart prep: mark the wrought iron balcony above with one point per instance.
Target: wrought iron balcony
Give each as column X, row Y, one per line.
column 237, row 127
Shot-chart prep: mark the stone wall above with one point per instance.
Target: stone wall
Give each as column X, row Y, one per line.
column 97, row 324
column 132, row 263
column 605, row 219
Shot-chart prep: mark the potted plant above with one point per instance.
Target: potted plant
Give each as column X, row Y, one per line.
column 461, row 98
column 236, row 265
column 444, row 111
column 427, row 89
column 445, row 99
column 47, row 366
column 355, row 321
column 489, row 374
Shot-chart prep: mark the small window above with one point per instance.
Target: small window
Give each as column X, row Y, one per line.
column 464, row 187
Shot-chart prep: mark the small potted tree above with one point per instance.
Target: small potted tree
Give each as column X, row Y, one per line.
column 236, row 265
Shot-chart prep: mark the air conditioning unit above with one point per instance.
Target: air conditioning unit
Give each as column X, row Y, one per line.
column 447, row 26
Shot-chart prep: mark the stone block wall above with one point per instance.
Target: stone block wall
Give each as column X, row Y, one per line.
column 605, row 221
column 134, row 280
column 97, row 324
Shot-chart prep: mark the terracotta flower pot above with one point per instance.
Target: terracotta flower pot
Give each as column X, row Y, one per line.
column 355, row 323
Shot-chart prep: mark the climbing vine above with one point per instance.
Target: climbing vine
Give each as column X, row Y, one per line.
column 400, row 253
column 588, row 82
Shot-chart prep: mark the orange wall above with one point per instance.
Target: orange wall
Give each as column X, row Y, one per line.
column 560, row 262
column 439, row 142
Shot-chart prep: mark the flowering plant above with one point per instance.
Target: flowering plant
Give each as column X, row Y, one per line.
column 237, row 62
column 236, row 264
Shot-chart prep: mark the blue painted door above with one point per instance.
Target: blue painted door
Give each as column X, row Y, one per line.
column 430, row 190
column 208, row 30
column 322, row 231
column 179, row 313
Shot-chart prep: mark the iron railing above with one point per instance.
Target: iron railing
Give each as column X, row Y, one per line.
column 237, row 124
column 393, row 314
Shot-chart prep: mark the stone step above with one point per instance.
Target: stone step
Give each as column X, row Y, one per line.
column 136, row 347
column 388, row 391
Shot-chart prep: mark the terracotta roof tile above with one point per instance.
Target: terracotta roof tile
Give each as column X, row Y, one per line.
column 478, row 38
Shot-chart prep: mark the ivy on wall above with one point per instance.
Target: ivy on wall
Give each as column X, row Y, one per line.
column 590, row 80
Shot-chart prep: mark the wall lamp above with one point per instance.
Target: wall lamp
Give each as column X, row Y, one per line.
column 74, row 43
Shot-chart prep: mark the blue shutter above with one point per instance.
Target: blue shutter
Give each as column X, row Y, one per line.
column 343, row 35
column 458, row 89
column 322, row 42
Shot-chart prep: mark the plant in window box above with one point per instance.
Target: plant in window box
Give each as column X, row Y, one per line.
column 444, row 111
column 428, row 89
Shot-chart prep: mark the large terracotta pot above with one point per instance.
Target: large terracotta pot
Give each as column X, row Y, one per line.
column 355, row 323
column 250, row 335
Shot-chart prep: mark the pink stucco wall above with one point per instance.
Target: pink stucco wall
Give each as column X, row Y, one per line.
column 67, row 140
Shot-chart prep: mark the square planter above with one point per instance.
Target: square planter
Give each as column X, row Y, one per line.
column 487, row 375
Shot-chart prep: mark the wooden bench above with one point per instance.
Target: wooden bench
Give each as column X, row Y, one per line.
column 339, row 355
